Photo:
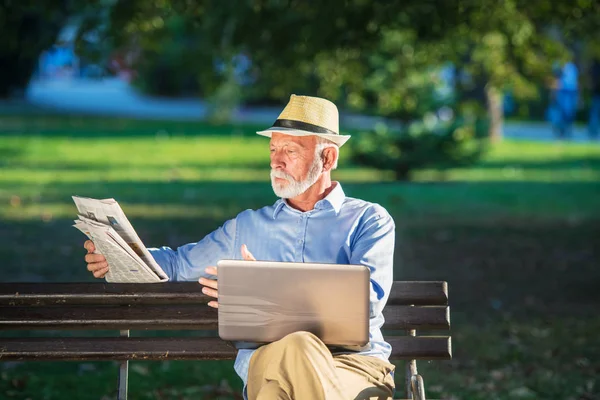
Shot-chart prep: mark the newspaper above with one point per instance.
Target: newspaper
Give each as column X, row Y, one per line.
column 105, row 223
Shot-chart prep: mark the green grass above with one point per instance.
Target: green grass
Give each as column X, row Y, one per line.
column 516, row 237
column 40, row 169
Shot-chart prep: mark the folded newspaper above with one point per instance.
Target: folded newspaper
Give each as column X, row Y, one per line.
column 105, row 223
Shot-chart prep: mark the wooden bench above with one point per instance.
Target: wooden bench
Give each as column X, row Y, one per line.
column 412, row 306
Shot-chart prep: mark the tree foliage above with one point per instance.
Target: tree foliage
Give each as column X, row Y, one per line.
column 361, row 53
column 383, row 58
column 27, row 27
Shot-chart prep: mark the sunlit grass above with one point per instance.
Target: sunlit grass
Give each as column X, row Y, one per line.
column 133, row 151
column 531, row 151
column 511, row 174
column 508, row 160
column 39, row 173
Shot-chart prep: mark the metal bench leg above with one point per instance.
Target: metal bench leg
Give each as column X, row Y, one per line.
column 418, row 387
column 415, row 388
column 123, row 374
column 411, row 370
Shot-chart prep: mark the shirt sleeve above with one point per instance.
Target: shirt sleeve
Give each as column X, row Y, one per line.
column 373, row 247
column 188, row 262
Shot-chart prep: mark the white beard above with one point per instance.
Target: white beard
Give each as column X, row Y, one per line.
column 295, row 188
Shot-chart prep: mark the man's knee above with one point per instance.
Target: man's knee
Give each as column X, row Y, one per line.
column 296, row 346
column 300, row 340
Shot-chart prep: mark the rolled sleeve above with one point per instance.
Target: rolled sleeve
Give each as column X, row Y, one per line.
column 374, row 247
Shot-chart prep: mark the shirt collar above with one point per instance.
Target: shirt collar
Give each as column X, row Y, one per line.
column 278, row 206
column 334, row 200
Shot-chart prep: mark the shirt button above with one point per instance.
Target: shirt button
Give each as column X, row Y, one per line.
column 300, row 241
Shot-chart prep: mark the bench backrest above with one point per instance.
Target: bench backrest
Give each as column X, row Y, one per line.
column 178, row 306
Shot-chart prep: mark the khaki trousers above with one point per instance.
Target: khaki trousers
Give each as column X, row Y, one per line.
column 300, row 366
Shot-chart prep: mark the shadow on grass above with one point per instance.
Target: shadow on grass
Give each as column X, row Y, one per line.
column 521, row 270
column 59, row 124
column 8, row 154
column 78, row 126
column 502, row 261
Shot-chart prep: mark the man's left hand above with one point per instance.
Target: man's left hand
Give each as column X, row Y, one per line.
column 211, row 287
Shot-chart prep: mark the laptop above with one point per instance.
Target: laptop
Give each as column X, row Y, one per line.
column 261, row 302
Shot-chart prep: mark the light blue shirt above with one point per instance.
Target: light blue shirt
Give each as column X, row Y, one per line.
column 339, row 230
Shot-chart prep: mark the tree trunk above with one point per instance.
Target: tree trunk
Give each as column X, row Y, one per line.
column 403, row 172
column 495, row 112
column 27, row 31
column 16, row 72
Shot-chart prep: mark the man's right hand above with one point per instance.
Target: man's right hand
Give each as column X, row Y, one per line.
column 96, row 263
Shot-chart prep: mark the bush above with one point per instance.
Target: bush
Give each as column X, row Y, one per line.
column 421, row 144
column 170, row 59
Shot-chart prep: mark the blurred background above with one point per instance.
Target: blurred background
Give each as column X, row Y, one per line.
column 475, row 123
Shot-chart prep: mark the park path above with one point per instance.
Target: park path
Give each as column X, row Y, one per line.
column 114, row 97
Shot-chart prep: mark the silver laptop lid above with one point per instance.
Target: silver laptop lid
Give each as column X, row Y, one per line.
column 263, row 301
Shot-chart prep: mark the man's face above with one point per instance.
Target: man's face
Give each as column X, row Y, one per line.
column 295, row 166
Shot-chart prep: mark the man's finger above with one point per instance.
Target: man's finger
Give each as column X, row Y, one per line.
column 211, row 270
column 89, row 246
column 246, row 254
column 213, row 304
column 210, row 292
column 94, row 258
column 97, row 266
column 101, row 272
column 209, row 282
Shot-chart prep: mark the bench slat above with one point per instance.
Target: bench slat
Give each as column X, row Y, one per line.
column 36, row 294
column 198, row 317
column 407, row 317
column 419, row 293
column 15, row 294
column 155, row 348
column 179, row 317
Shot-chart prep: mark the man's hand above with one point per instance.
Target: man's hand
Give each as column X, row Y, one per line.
column 96, row 263
column 211, row 287
column 246, row 254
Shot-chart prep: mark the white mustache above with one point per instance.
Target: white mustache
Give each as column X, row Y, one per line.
column 283, row 175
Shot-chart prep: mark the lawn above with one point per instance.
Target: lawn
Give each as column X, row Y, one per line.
column 516, row 236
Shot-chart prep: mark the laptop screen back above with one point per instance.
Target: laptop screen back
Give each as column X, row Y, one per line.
column 262, row 302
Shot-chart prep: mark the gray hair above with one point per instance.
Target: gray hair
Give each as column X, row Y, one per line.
column 323, row 144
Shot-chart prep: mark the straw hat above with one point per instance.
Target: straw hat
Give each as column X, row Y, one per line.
column 305, row 116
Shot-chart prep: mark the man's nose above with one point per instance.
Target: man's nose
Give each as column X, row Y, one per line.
column 277, row 160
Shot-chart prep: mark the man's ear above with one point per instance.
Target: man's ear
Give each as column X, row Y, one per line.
column 328, row 157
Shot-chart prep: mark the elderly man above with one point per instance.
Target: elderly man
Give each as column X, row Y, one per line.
column 312, row 222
